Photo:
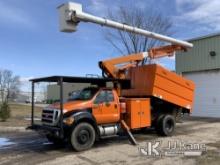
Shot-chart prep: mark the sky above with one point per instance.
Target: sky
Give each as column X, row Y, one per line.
column 32, row 46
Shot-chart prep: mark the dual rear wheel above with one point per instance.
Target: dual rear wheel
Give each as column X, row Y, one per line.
column 165, row 125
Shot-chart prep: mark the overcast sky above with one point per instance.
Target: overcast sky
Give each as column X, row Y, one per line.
column 32, row 46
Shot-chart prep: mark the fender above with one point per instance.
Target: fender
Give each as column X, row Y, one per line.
column 83, row 115
column 73, row 112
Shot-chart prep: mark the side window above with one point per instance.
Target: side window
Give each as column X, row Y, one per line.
column 104, row 96
column 109, row 96
column 100, row 98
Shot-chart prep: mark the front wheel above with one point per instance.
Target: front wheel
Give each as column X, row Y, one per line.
column 82, row 137
column 166, row 125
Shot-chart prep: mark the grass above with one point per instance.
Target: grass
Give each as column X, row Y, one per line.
column 18, row 114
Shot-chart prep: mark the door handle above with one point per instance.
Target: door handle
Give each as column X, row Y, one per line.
column 107, row 104
column 140, row 113
column 116, row 106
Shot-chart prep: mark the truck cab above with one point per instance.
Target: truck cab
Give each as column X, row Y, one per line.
column 99, row 107
column 102, row 103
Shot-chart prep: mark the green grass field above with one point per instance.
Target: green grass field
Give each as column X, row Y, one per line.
column 18, row 114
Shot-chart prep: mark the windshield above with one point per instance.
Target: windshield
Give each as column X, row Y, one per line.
column 85, row 94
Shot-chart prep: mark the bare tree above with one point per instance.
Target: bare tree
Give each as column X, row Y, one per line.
column 9, row 85
column 128, row 43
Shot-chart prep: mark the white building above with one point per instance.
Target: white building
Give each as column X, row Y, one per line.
column 202, row 65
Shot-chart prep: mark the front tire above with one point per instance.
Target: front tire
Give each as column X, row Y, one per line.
column 166, row 125
column 82, row 137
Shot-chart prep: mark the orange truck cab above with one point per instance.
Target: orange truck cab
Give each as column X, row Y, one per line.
column 101, row 103
column 99, row 107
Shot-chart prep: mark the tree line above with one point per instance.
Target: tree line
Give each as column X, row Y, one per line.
column 9, row 88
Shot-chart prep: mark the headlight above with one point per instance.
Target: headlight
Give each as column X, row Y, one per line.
column 68, row 120
column 64, row 111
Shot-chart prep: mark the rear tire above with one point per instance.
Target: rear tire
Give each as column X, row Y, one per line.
column 82, row 137
column 165, row 125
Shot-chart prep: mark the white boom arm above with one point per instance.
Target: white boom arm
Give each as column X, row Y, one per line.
column 71, row 14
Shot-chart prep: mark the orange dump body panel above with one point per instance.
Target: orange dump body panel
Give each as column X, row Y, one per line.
column 154, row 80
column 138, row 112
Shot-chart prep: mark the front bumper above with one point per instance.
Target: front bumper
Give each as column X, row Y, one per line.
column 43, row 128
column 56, row 131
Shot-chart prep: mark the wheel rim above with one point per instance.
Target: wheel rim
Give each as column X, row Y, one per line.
column 169, row 125
column 83, row 137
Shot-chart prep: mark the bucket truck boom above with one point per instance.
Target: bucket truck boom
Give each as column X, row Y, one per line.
column 71, row 14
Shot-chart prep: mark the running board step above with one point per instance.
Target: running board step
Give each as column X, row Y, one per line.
column 109, row 136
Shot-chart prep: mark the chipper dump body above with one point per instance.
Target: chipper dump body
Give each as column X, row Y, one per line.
column 156, row 81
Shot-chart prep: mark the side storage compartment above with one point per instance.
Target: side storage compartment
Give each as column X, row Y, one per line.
column 138, row 112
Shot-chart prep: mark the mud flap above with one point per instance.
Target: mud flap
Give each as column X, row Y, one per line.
column 127, row 130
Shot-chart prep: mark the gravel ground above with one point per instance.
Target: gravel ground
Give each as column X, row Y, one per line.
column 27, row 147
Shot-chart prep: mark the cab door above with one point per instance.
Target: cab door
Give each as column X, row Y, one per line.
column 106, row 108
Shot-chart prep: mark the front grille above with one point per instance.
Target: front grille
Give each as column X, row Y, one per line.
column 50, row 116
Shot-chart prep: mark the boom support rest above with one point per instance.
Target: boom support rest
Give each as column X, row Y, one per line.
column 163, row 51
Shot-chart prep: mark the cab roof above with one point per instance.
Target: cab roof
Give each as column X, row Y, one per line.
column 70, row 79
